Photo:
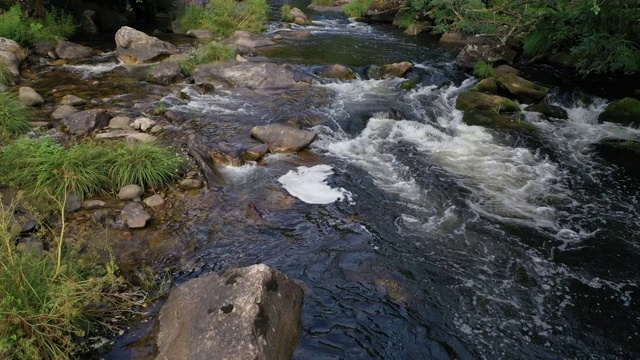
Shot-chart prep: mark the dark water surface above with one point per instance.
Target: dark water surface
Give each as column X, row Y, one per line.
column 457, row 243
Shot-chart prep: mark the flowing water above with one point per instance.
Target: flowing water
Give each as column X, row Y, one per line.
column 443, row 241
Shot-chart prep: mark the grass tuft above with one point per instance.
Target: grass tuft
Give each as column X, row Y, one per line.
column 53, row 26
column 6, row 76
column 211, row 52
column 285, row 12
column 224, row 17
column 14, row 117
column 482, row 69
column 357, row 8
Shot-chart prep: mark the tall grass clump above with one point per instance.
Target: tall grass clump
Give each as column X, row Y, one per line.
column 51, row 299
column 54, row 25
column 211, row 52
column 14, row 117
column 482, row 69
column 325, row 2
column 224, row 17
column 6, row 76
column 357, row 8
column 145, row 164
column 285, row 13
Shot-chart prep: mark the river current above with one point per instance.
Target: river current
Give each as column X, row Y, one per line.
column 449, row 241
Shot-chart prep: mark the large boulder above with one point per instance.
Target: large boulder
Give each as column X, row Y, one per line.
column 248, row 40
column 522, row 89
column 389, row 70
column 625, row 111
column 549, row 110
column 69, row 50
column 486, row 49
column 337, row 71
column 470, row 100
column 494, row 120
column 382, row 11
column 253, row 75
column 136, row 47
column 283, row 139
column 297, row 16
column 239, row 313
column 84, row 122
column 624, row 153
column 11, row 55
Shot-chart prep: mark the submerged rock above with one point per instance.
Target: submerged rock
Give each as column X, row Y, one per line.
column 134, row 215
column 69, row 50
column 29, row 97
column 470, row 100
column 253, row 75
column 283, row 139
column 248, row 39
column 389, row 70
column 136, row 47
column 239, row 313
column 84, row 122
column 255, row 153
column 625, row 111
column 493, row 120
column 191, row 184
column 549, row 110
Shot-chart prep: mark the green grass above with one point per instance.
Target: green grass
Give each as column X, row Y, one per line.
column 6, row 76
column 51, row 299
column 14, row 117
column 224, row 17
column 51, row 27
column 357, row 8
column 46, row 169
column 211, row 52
column 285, row 12
column 324, row 2
column 482, row 69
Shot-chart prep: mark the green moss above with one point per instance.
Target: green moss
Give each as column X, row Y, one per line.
column 494, row 120
column 474, row 100
column 625, row 111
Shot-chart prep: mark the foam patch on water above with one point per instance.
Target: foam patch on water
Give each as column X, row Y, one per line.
column 309, row 184
column 88, row 71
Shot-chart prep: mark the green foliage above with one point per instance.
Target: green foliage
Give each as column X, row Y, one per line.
column 357, row 8
column 211, row 52
column 6, row 76
column 49, row 299
column 14, row 117
column 406, row 19
column 285, row 12
column 482, row 69
column 51, row 27
column 324, row 2
column 46, row 169
column 145, row 165
column 224, row 17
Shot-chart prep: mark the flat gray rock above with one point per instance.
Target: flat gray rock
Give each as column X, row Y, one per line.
column 283, row 139
column 135, row 216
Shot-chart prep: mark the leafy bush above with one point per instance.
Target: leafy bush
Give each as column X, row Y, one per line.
column 49, row 299
column 54, row 25
column 211, row 52
column 357, row 8
column 482, row 69
column 14, row 117
column 224, row 17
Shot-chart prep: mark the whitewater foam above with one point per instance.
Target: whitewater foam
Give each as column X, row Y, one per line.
column 309, row 184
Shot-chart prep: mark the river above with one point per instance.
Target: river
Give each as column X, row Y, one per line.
column 452, row 241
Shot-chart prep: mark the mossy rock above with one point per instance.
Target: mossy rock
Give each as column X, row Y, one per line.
column 562, row 59
column 411, row 83
column 475, row 100
column 487, row 86
column 493, row 120
column 522, row 89
column 504, row 70
column 625, row 111
column 551, row 111
column 625, row 153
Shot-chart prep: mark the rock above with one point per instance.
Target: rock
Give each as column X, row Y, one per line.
column 136, row 47
column 386, row 114
column 129, row 135
column 389, row 70
column 25, row 220
column 191, row 184
column 200, row 33
column 625, row 111
column 153, row 201
column 73, row 203
column 69, row 50
column 11, row 55
column 502, row 70
column 453, row 37
column 469, row 100
column 239, row 313
column 382, row 11
column 239, row 58
column 200, row 154
column 143, row 123
column 93, row 204
column 29, row 97
column 487, row 86
column 255, row 153
column 120, row 122
column 134, row 216
column 417, row 28
column 225, row 154
column 338, row 71
column 130, row 192
column 562, row 59
column 248, row 39
column 522, row 89
column 156, row 129
column 488, row 49
column 88, row 22
column 295, row 35
column 551, row 111
column 622, row 152
column 253, row 75
column 72, row 100
column 84, row 122
column 493, row 120
column 411, row 83
column 283, row 139
column 63, row 111
column 165, row 73
column 299, row 17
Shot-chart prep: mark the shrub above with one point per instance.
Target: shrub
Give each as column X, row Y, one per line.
column 224, row 17
column 482, row 69
column 14, row 117
column 49, row 299
column 285, row 12
column 51, row 27
column 145, row 164
column 357, row 8
column 211, row 52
